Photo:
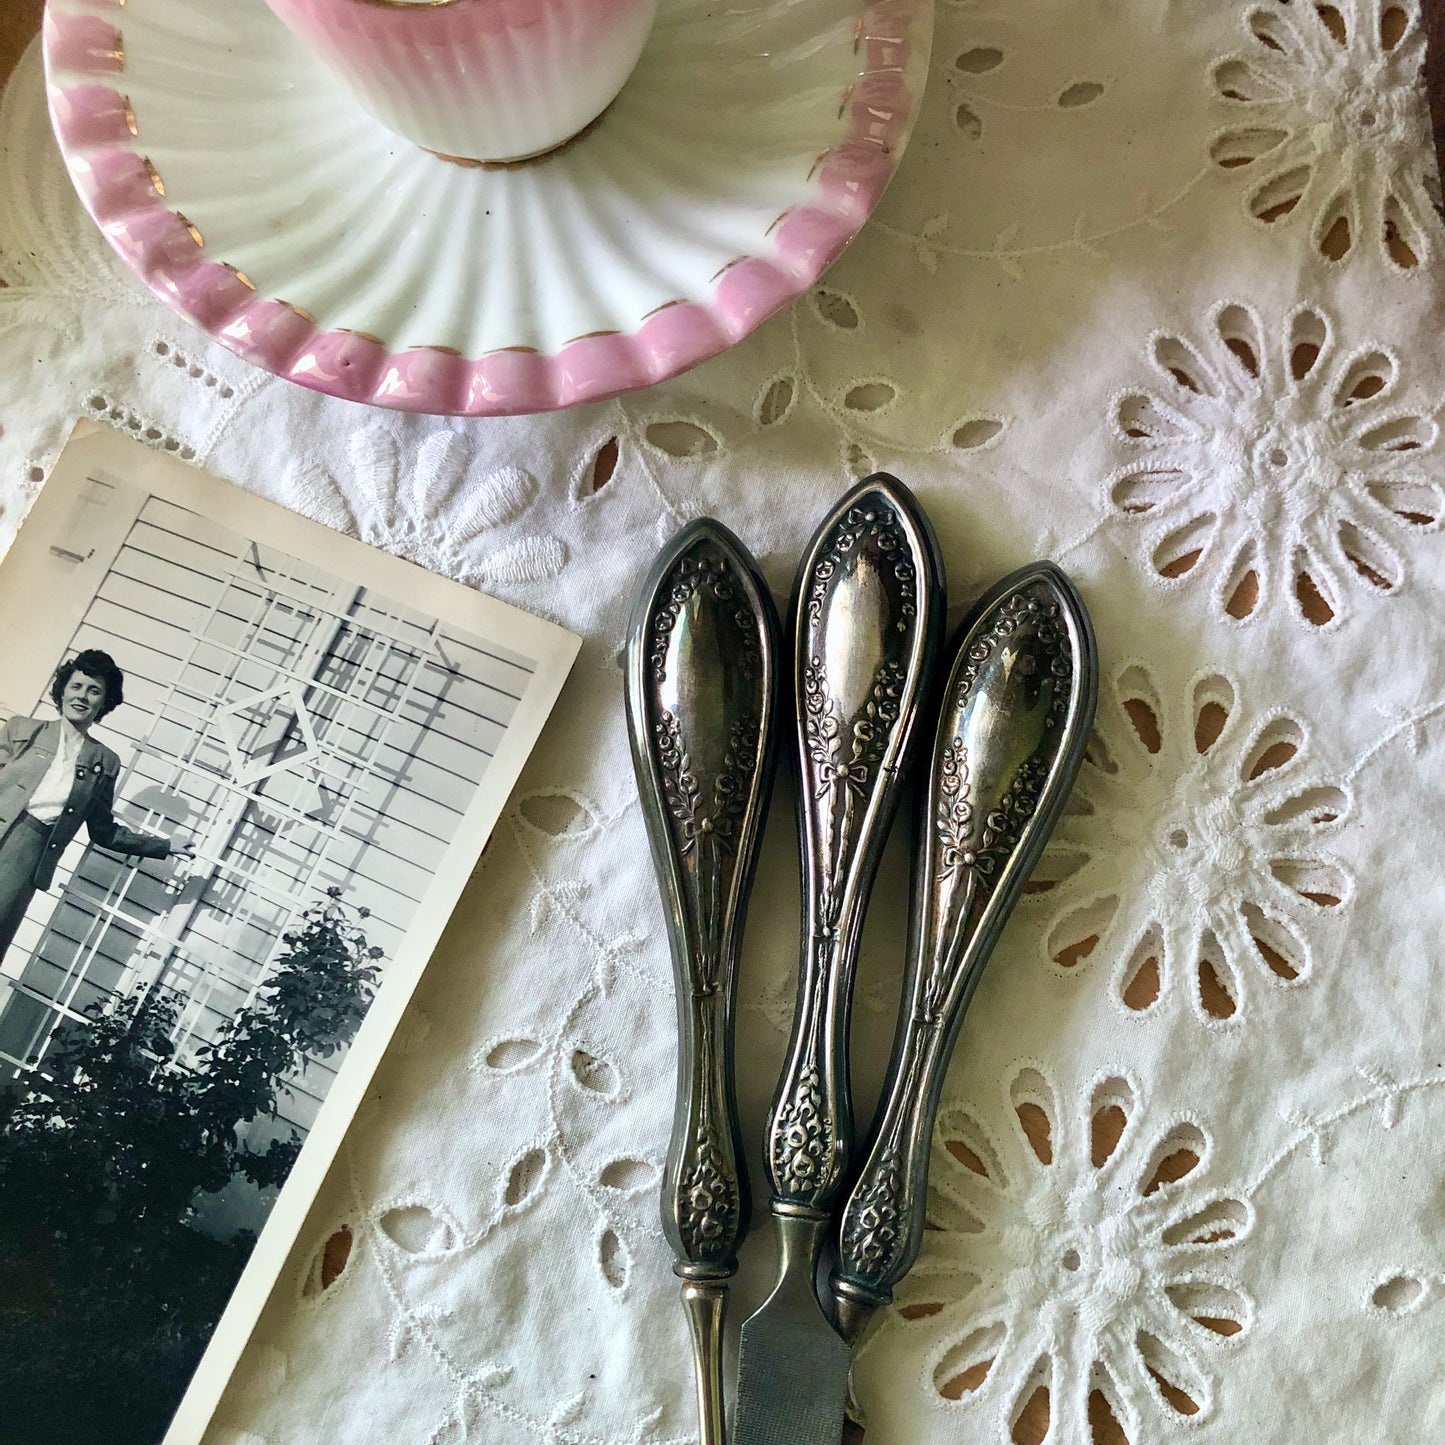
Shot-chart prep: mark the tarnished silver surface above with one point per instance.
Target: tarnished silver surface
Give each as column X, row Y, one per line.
column 1014, row 719
column 793, row 1365
column 866, row 616
column 701, row 697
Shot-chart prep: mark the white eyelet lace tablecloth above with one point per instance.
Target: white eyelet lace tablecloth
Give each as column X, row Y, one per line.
column 1157, row 293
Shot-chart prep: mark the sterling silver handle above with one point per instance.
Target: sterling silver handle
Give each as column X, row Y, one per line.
column 701, row 698
column 1014, row 719
column 866, row 616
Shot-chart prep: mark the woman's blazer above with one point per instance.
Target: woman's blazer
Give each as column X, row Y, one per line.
column 27, row 745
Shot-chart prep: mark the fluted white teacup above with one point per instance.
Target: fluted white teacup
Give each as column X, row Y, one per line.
column 483, row 80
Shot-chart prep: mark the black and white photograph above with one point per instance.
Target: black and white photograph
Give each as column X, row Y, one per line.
column 240, row 787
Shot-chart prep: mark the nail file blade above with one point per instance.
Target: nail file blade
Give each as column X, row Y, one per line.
column 792, row 1377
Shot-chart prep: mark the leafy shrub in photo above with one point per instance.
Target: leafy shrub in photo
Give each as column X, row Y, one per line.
column 108, row 1294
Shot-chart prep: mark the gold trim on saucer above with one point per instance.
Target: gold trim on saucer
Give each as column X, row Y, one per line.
column 196, row 236
column 240, row 275
column 778, row 220
column 130, row 116
column 155, row 176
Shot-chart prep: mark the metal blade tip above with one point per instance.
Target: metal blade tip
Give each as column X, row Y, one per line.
column 792, row 1381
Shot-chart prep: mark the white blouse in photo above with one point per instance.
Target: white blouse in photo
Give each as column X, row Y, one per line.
column 53, row 793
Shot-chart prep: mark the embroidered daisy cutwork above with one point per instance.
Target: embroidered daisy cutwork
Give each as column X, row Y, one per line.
column 432, row 515
column 1330, row 126
column 1192, row 861
column 1076, row 1268
column 560, row 1085
column 1286, row 469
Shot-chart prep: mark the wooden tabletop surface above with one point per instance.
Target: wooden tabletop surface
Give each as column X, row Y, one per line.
column 19, row 20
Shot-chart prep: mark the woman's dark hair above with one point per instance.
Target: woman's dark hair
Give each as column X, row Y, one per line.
column 99, row 665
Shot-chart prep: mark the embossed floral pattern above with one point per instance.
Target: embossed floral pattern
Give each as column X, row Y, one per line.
column 1286, row 469
column 433, row 513
column 1192, row 859
column 697, row 819
column 1329, row 126
column 802, row 1140
column 1077, row 1264
column 845, row 752
column 709, row 1202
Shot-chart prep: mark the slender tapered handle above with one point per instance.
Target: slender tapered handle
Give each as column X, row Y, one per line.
column 701, row 703
column 1014, row 720
column 866, row 616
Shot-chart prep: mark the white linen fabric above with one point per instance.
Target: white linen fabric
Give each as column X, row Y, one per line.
column 1158, row 292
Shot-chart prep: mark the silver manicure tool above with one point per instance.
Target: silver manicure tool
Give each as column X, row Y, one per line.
column 701, row 696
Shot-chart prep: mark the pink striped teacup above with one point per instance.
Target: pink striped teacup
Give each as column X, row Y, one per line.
column 487, row 80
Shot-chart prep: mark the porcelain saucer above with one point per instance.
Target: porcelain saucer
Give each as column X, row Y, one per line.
column 248, row 190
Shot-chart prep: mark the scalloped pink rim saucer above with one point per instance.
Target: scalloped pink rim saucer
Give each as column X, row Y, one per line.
column 123, row 130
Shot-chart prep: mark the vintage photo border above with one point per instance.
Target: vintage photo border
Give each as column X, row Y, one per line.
column 31, row 647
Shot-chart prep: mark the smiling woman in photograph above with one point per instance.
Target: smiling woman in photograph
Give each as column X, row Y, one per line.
column 53, row 777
